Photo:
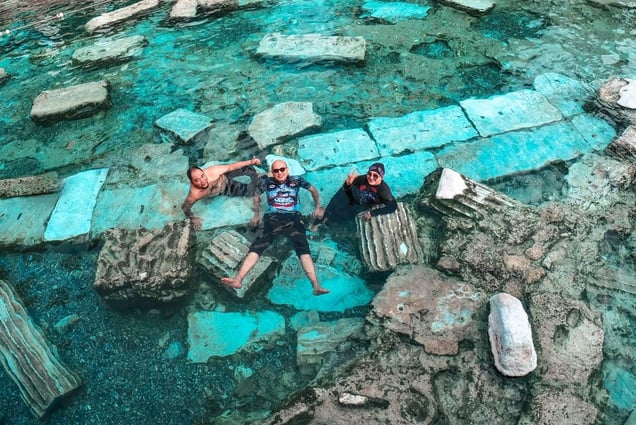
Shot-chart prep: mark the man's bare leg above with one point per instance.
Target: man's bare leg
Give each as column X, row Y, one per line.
column 310, row 271
column 248, row 264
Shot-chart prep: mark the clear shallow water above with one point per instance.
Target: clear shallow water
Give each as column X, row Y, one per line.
column 208, row 66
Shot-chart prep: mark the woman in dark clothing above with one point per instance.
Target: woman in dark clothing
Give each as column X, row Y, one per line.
column 362, row 193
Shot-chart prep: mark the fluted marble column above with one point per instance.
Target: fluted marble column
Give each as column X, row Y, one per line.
column 28, row 359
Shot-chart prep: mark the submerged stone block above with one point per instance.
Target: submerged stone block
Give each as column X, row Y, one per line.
column 121, row 15
column 315, row 342
column 329, row 149
column 473, row 7
column 394, row 12
column 30, row 185
column 282, row 122
column 291, row 286
column 388, row 240
column 421, row 130
column 69, row 103
column 219, row 334
column 145, row 267
column 313, row 48
column 524, row 150
column 110, row 52
column 511, row 111
column 224, row 255
column 510, row 336
column 72, row 216
column 186, row 125
column 27, row 358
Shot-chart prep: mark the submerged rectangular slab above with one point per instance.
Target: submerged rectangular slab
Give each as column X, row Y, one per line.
column 121, row 15
column 340, row 147
column 313, row 48
column 73, row 102
column 186, row 125
column 73, row 212
column 514, row 152
column 421, row 130
column 509, row 112
column 23, row 219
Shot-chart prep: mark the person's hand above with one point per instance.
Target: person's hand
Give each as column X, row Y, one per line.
column 254, row 221
column 366, row 215
column 256, row 161
column 319, row 212
column 352, row 175
column 196, row 223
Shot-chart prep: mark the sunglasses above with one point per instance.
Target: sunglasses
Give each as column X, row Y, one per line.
column 278, row 170
column 373, row 175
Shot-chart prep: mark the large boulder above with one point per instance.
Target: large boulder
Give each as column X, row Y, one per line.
column 145, row 267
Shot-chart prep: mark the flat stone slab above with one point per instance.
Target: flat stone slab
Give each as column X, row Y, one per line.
column 73, row 212
column 421, row 130
column 511, row 111
column 110, row 52
column 121, row 15
column 217, row 334
column 403, row 178
column 518, row 151
column 329, row 149
column 473, row 7
column 313, row 48
column 79, row 101
column 151, row 207
column 393, row 12
column 282, row 122
column 29, row 185
column 23, row 220
column 184, row 124
column 567, row 94
column 291, row 287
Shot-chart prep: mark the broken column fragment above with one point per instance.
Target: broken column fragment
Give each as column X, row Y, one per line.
column 28, row 359
column 387, row 240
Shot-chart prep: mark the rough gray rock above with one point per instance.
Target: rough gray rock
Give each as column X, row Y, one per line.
column 30, row 185
column 432, row 310
column 4, row 76
column 110, row 52
column 624, row 146
column 609, row 98
column 145, row 267
column 387, row 240
column 71, row 103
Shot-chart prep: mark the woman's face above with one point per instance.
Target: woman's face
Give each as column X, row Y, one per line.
column 374, row 178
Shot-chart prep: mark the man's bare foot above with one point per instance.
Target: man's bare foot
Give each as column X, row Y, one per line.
column 233, row 282
column 320, row 291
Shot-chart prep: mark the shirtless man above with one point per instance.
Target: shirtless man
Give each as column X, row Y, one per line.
column 218, row 180
column 282, row 218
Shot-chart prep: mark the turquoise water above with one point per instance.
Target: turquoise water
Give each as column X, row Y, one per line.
column 133, row 362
